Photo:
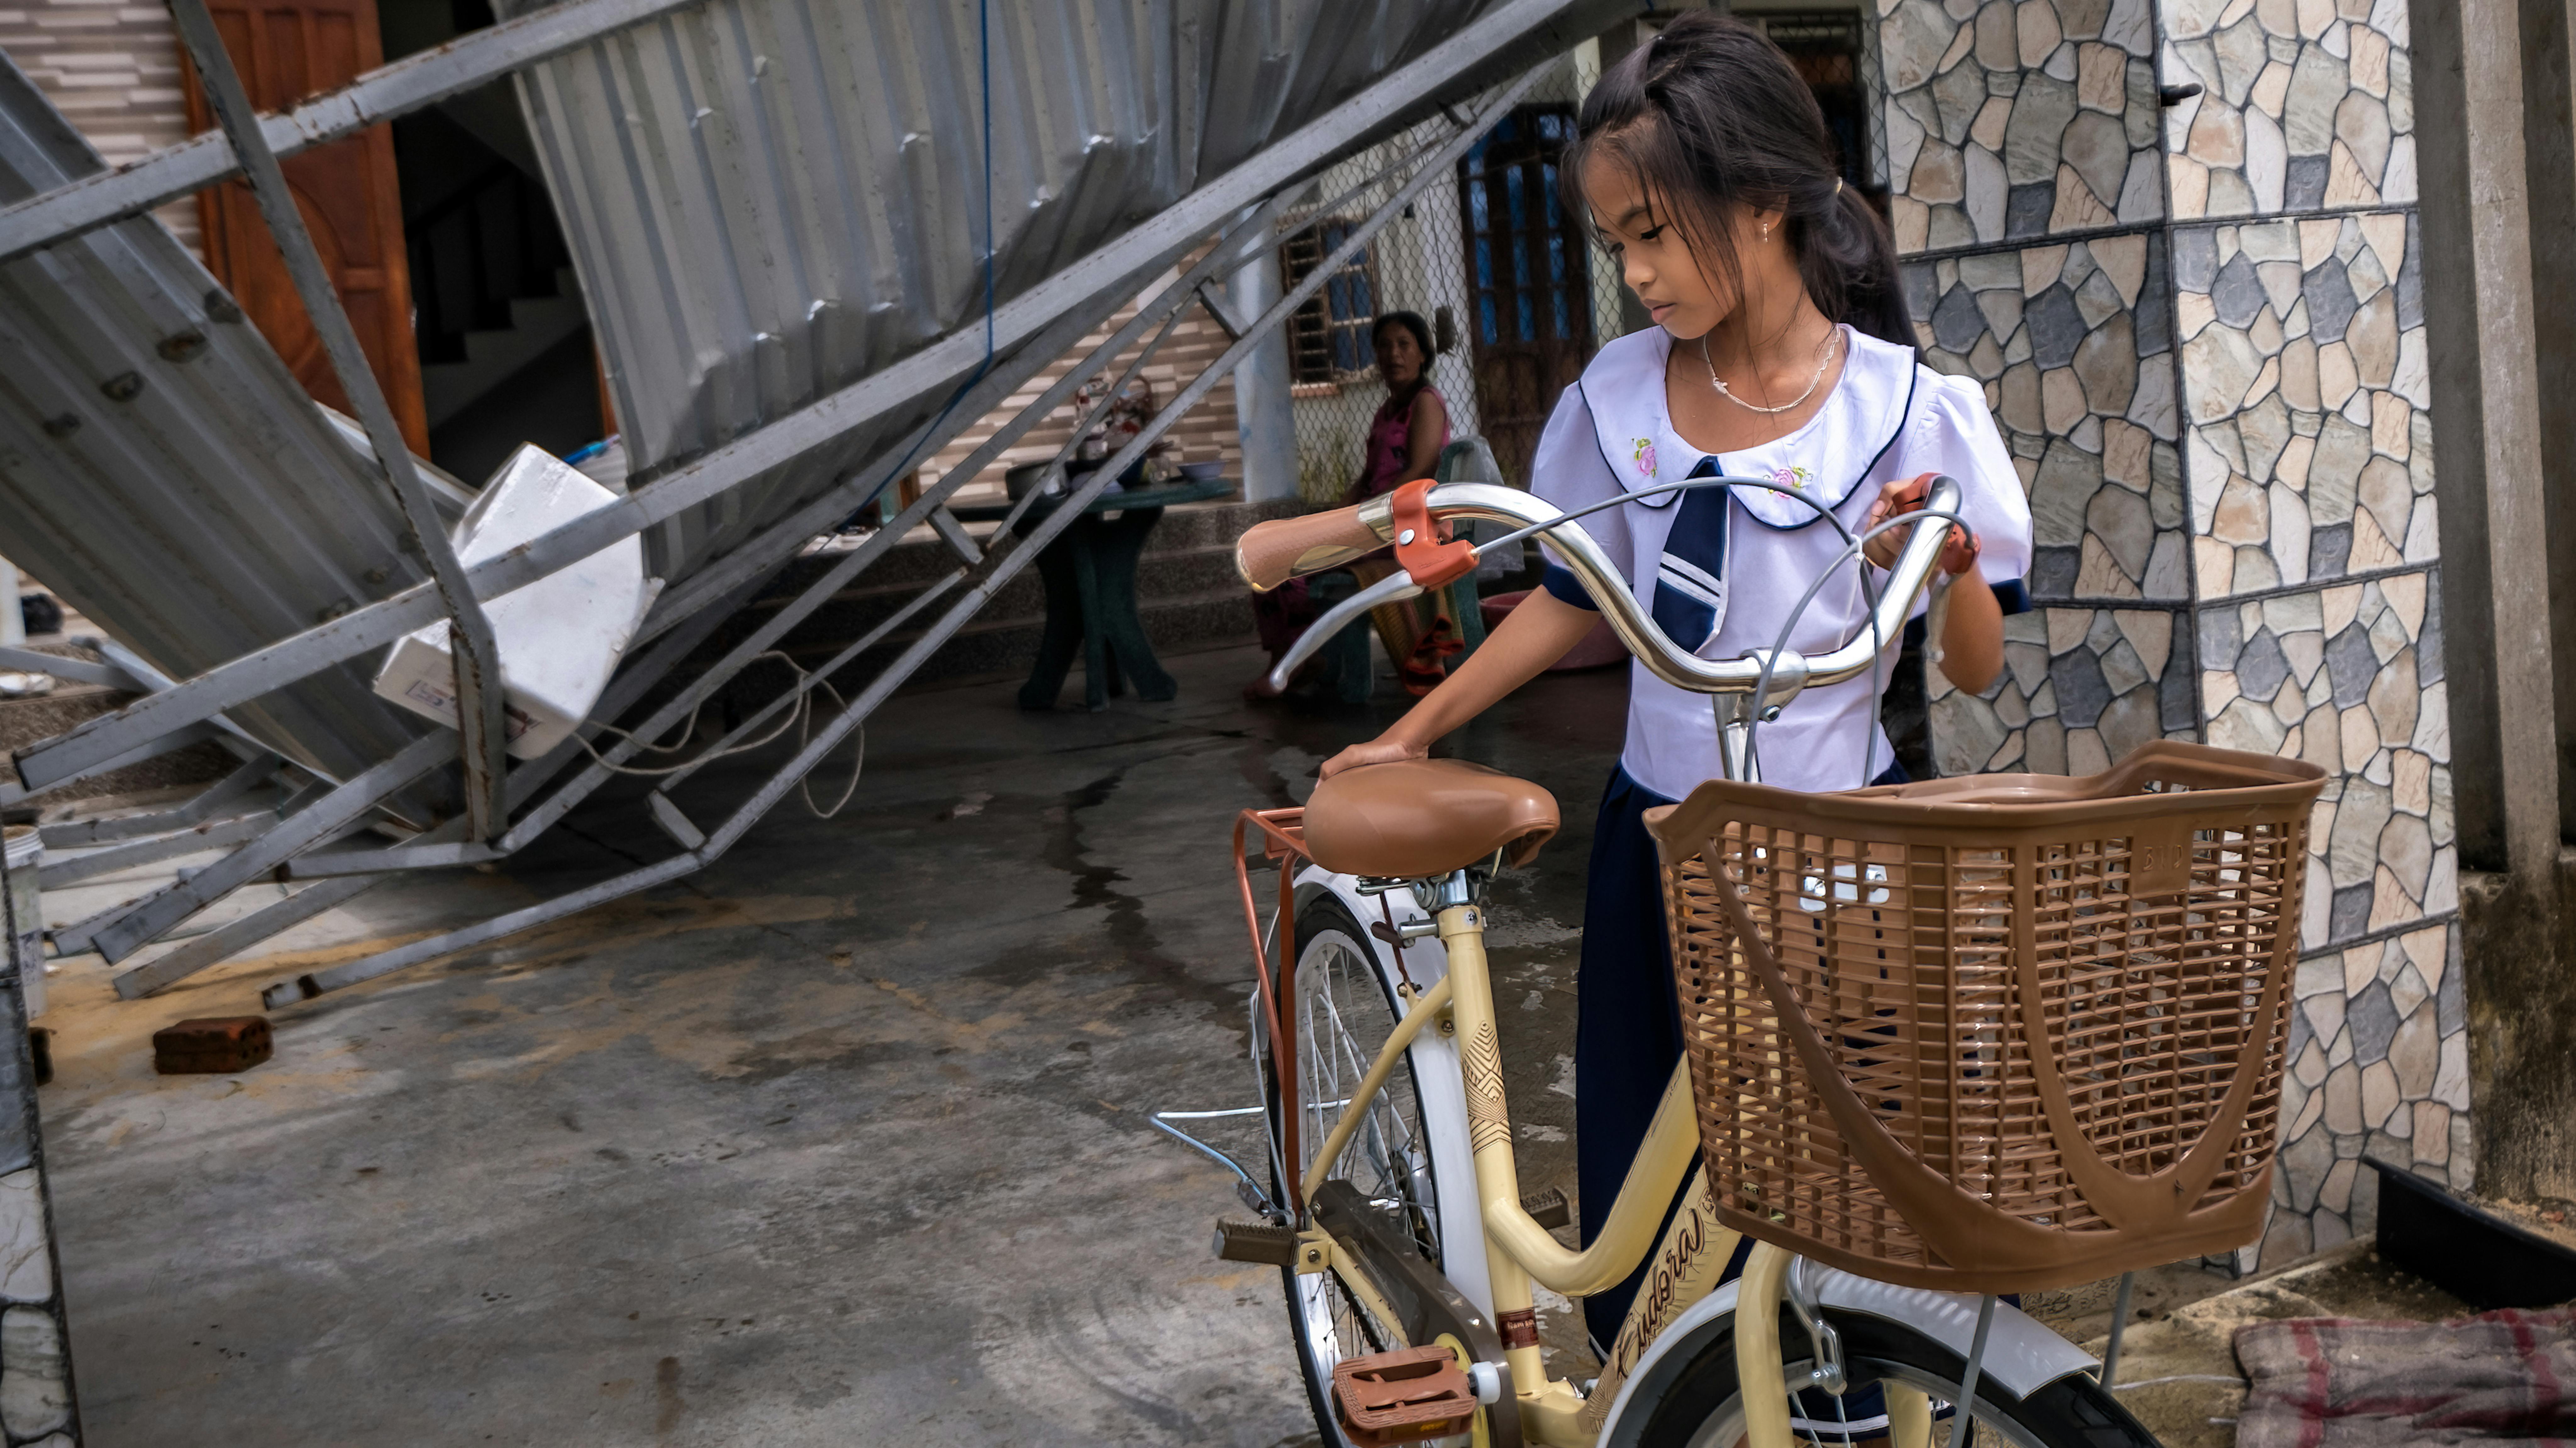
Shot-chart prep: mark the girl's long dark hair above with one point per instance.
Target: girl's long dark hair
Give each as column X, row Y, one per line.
column 1712, row 115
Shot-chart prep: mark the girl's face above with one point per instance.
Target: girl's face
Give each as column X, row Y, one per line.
column 1399, row 357
column 1681, row 295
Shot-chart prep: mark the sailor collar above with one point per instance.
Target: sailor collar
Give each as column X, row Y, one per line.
column 1837, row 448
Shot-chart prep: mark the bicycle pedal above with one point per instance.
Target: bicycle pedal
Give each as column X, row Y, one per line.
column 1549, row 1208
column 1402, row 1396
column 1256, row 1242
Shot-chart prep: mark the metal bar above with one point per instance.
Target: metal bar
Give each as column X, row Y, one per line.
column 213, row 834
column 996, row 386
column 1006, row 565
column 306, row 987
column 70, row 671
column 810, row 681
column 477, row 654
column 439, row 848
column 380, row 95
column 1197, row 214
column 159, row 912
column 176, row 739
column 821, row 514
column 73, row 834
column 153, row 681
column 220, row 944
column 2119, row 1325
column 1221, row 312
column 1965, row 1431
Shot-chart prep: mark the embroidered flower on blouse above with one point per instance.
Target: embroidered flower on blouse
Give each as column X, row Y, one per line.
column 1792, row 477
column 1645, row 457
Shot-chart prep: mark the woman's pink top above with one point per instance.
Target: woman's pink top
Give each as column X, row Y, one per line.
column 1390, row 442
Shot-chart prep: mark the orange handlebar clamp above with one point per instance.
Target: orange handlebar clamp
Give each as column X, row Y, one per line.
column 1430, row 562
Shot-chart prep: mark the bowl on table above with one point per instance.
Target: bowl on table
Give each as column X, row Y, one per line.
column 1202, row 472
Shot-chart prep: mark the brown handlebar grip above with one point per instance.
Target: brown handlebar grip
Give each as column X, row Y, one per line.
column 1269, row 554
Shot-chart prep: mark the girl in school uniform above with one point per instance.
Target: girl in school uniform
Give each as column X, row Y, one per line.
column 1780, row 350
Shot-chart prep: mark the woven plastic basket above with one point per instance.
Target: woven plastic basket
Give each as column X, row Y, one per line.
column 1996, row 1034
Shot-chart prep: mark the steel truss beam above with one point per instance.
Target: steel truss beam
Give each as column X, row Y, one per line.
column 1005, row 564
column 1009, row 328
column 630, row 685
column 785, row 538
column 476, row 653
column 107, row 197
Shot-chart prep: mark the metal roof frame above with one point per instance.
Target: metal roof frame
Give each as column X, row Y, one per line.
column 975, row 366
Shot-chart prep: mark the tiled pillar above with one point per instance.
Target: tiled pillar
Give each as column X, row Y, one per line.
column 2308, row 459
column 2025, row 160
column 2201, row 330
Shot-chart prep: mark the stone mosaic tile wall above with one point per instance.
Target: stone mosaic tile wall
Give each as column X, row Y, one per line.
column 2379, row 1067
column 2012, row 120
column 2073, row 342
column 2229, row 461
column 2308, row 458
column 35, row 1352
column 2307, row 105
column 2307, row 397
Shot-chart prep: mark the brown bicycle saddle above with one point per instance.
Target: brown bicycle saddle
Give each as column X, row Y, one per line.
column 1418, row 817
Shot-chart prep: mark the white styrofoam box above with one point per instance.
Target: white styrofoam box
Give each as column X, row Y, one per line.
column 560, row 637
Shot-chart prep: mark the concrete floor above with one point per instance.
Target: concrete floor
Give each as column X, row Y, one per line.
column 841, row 1141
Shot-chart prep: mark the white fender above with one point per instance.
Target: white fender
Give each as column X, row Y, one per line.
column 2020, row 1353
column 1438, row 1081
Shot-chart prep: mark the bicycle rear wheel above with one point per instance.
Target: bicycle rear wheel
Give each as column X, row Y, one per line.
column 1704, row 1407
column 1345, row 1008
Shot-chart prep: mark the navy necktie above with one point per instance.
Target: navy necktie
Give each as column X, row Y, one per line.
column 1690, row 582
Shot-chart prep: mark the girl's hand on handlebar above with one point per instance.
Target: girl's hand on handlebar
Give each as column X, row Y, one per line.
column 1382, row 750
column 1957, row 556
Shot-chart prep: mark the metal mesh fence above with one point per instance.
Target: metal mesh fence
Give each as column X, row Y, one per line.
column 1516, row 299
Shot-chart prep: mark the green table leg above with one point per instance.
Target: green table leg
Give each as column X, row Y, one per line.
column 1116, row 551
column 1063, row 636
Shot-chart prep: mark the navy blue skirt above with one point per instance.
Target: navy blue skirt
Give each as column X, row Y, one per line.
column 1626, row 1039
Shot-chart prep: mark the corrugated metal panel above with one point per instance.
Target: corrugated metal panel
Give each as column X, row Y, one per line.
column 770, row 199
column 162, row 469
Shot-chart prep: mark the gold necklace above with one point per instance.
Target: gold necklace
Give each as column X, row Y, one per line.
column 1824, row 359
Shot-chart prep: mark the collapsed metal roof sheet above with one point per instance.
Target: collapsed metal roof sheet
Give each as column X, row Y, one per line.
column 770, row 199
column 161, row 468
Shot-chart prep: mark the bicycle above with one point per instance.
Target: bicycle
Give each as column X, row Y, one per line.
column 1392, row 1204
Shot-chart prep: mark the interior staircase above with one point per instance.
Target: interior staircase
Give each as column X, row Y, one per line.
column 493, row 355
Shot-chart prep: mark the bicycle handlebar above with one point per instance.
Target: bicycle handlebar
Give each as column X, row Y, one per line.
column 1287, row 547
column 1269, row 554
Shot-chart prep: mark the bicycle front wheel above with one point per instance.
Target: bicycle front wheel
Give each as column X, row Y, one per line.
column 1704, row 1406
column 1345, row 1009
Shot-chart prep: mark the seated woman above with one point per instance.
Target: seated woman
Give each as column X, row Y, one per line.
column 1404, row 443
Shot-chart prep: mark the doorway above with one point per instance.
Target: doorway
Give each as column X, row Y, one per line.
column 1529, row 280
column 286, row 50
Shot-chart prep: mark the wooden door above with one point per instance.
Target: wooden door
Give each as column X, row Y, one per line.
column 287, row 50
column 1528, row 278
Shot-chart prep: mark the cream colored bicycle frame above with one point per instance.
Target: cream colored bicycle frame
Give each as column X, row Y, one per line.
column 1518, row 1251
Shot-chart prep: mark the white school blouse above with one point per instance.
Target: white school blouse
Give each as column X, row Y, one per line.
column 1887, row 418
